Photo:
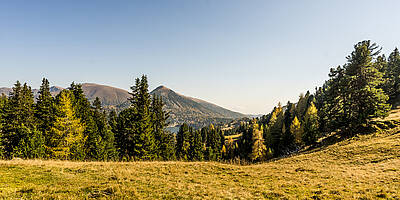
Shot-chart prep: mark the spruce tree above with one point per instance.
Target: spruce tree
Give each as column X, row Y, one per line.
column 45, row 110
column 163, row 141
column 144, row 146
column 83, row 110
column 196, row 146
column 105, row 139
column 311, row 126
column 20, row 131
column 183, row 142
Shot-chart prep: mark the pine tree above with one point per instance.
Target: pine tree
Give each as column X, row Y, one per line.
column 311, row 126
column 67, row 135
column 364, row 100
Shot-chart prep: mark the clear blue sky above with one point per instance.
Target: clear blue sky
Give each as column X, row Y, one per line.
column 243, row 55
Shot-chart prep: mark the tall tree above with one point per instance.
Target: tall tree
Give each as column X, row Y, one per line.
column 45, row 110
column 144, row 146
column 392, row 74
column 19, row 133
column 104, row 139
column 364, row 100
column 3, row 104
column 258, row 147
column 311, row 126
column 296, row 131
column 164, row 142
column 183, row 142
column 67, row 135
column 83, row 110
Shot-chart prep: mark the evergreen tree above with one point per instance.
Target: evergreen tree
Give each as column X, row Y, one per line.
column 3, row 104
column 144, row 146
column 164, row 143
column 196, row 146
column 311, row 126
column 45, row 110
column 83, row 110
column 125, row 133
column 183, row 142
column 67, row 138
column 20, row 130
column 364, row 100
column 392, row 74
column 105, row 141
column 277, row 129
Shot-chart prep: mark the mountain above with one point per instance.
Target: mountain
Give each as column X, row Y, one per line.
column 111, row 97
column 5, row 91
column 193, row 111
column 182, row 109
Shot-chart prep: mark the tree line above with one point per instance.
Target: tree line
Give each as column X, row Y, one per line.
column 362, row 89
column 69, row 126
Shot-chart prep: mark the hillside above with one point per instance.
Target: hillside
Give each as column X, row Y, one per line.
column 109, row 96
column 363, row 167
column 193, row 111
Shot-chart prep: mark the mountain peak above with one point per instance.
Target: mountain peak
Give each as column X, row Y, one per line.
column 162, row 88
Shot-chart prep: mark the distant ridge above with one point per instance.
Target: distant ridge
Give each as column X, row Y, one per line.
column 193, row 111
column 182, row 109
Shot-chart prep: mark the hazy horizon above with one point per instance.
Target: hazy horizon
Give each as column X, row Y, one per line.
column 244, row 56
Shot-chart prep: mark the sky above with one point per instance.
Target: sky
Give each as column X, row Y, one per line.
column 242, row 55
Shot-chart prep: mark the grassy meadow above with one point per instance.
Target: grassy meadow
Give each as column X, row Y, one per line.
column 363, row 167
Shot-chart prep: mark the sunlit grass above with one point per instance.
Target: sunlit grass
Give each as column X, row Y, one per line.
column 363, row 167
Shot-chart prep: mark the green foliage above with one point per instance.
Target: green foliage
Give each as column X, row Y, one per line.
column 20, row 122
column 183, row 142
column 45, row 111
column 311, row 126
column 353, row 93
column 391, row 69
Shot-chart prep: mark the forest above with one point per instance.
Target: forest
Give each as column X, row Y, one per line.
column 70, row 127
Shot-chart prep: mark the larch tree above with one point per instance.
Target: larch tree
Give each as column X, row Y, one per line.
column 258, row 147
column 67, row 135
column 296, row 131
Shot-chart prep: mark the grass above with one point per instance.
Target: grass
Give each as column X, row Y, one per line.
column 363, row 167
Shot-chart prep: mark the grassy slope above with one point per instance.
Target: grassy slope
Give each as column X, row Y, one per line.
column 363, row 167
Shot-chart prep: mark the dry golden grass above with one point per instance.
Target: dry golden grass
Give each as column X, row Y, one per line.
column 364, row 167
